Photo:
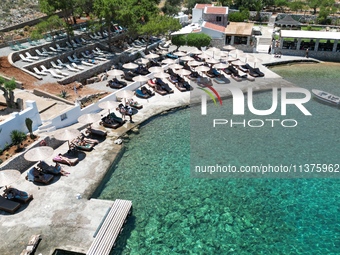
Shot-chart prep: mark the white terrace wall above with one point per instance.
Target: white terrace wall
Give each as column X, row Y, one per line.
column 17, row 122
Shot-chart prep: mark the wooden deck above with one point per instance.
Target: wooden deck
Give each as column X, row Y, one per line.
column 111, row 227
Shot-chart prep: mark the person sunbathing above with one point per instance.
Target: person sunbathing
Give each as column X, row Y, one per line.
column 12, row 193
column 57, row 169
column 60, row 157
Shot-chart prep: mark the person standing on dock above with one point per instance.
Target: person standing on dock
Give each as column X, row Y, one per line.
column 307, row 53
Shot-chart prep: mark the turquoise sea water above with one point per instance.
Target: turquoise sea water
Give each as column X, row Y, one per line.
column 176, row 214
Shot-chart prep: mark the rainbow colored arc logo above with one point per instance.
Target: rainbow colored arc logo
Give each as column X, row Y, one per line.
column 211, row 95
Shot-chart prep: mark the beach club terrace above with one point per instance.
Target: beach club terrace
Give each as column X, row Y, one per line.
column 322, row 45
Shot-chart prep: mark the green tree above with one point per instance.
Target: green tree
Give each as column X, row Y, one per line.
column 295, row 6
column 67, row 8
column 281, row 4
column 29, row 126
column 198, row 40
column 239, row 16
column 7, row 88
column 179, row 40
column 47, row 26
column 314, row 4
column 170, row 8
column 106, row 10
column 17, row 137
column 159, row 25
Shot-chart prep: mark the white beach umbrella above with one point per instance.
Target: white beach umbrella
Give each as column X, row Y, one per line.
column 212, row 61
column 89, row 118
column 195, row 63
column 109, row 105
column 161, row 75
column 229, row 47
column 140, row 78
column 186, row 58
column 151, row 56
column 168, row 61
column 176, row 66
column 183, row 72
column 130, row 66
column 237, row 53
column 202, row 68
column 142, row 61
column 156, row 69
column 255, row 60
column 40, row 153
column 238, row 63
column 66, row 134
column 184, row 48
column 180, row 53
column 204, row 55
column 220, row 66
column 195, row 51
column 229, row 59
column 9, row 176
column 115, row 72
column 125, row 93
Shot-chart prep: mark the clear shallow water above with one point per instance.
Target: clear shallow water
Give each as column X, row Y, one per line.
column 176, row 214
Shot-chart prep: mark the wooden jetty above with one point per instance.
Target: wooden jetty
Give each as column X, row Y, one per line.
column 106, row 236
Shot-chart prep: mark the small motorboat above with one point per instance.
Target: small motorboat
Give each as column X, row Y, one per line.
column 326, row 97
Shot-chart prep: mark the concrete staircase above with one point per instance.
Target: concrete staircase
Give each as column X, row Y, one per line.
column 265, row 40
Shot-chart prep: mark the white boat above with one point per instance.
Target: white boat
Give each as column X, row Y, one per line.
column 326, row 97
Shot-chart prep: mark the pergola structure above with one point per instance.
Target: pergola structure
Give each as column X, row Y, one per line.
column 314, row 40
column 238, row 33
column 288, row 21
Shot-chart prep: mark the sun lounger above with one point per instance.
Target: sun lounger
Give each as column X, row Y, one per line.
column 8, row 205
column 55, row 50
column 29, row 56
column 82, row 145
column 13, row 47
column 34, row 175
column 46, row 52
column 25, row 59
column 77, row 67
column 112, row 121
column 54, row 65
column 61, row 63
column 17, row 195
column 71, row 68
column 54, row 75
column 86, row 63
column 163, row 86
column 39, row 53
column 49, row 169
column 61, row 73
column 33, row 43
column 60, row 48
column 66, row 159
column 44, row 69
column 71, row 46
column 37, row 71
column 20, row 46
